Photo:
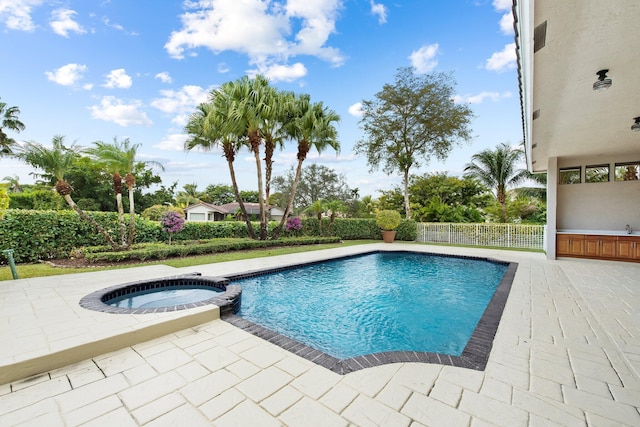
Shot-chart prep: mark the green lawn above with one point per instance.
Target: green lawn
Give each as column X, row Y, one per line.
column 26, row 271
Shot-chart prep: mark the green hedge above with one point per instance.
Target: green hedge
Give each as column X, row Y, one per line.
column 40, row 235
column 147, row 251
column 36, row 235
column 358, row 229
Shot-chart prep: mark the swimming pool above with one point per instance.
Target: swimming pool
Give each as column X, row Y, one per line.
column 379, row 303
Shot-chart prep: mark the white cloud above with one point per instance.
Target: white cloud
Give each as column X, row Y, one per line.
column 262, row 30
column 16, row 14
column 118, row 79
column 506, row 23
column 356, row 109
column 246, row 26
column 480, row 97
column 276, row 73
column 181, row 102
column 501, row 5
column 115, row 110
column 503, row 60
column 423, row 59
column 164, row 77
column 380, row 10
column 66, row 75
column 172, row 142
column 318, row 23
column 223, row 68
column 62, row 22
column 118, row 27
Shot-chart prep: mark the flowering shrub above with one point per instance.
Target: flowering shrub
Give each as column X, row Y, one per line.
column 294, row 225
column 172, row 222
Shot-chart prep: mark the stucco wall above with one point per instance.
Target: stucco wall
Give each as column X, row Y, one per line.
column 197, row 210
column 601, row 205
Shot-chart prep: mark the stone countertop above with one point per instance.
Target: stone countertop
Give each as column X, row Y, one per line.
column 598, row 232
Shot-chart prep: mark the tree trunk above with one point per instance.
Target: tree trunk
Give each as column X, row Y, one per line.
column 502, row 199
column 123, row 229
column 117, row 187
column 90, row 220
column 254, row 141
column 234, row 183
column 407, row 208
column 132, row 219
column 292, row 196
column 130, row 181
column 269, row 147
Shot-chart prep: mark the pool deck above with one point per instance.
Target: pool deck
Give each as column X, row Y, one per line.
column 566, row 353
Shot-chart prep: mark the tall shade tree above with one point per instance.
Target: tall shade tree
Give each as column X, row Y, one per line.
column 312, row 126
column 498, row 169
column 56, row 161
column 9, row 121
column 208, row 128
column 119, row 157
column 410, row 121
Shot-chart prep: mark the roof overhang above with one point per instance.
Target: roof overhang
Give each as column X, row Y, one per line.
column 556, row 82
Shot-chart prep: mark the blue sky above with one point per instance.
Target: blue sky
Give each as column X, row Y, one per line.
column 95, row 70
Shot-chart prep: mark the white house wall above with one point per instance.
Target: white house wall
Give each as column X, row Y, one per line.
column 599, row 205
column 197, row 210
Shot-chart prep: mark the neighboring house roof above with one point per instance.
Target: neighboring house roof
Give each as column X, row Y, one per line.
column 214, row 208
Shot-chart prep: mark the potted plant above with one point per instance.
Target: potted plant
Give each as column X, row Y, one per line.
column 388, row 221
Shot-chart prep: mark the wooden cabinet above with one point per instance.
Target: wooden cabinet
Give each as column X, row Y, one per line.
column 600, row 246
column 628, row 248
column 570, row 245
column 623, row 248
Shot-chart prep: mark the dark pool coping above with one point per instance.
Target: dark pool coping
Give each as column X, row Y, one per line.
column 228, row 301
column 474, row 356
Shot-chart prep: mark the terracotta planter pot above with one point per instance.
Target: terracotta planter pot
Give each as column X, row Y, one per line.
column 388, row 235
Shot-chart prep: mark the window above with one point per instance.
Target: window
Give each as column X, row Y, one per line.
column 596, row 173
column 570, row 175
column 193, row 216
column 627, row 171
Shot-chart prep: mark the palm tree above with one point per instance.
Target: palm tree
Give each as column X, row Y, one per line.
column 118, row 158
column 188, row 196
column 251, row 106
column 312, row 125
column 9, row 116
column 208, row 128
column 56, row 161
column 497, row 169
column 335, row 206
column 318, row 209
column 13, row 183
column 538, row 192
column 274, row 133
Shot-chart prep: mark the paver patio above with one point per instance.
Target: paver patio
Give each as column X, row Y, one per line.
column 567, row 352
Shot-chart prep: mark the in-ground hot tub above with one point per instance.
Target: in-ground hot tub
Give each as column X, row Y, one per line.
column 166, row 294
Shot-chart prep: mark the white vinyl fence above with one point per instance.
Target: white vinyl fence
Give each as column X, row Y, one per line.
column 502, row 235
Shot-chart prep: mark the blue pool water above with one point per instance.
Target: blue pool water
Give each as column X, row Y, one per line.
column 373, row 303
column 165, row 297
